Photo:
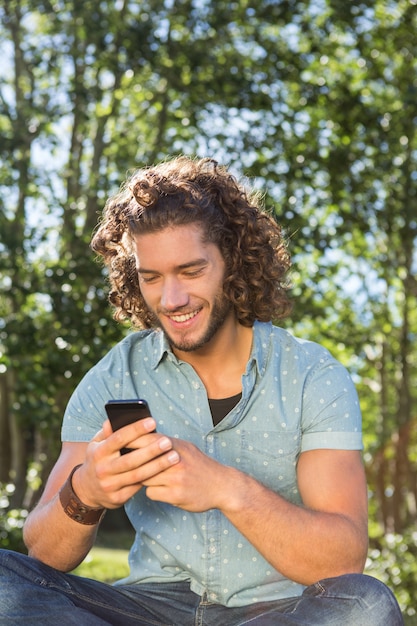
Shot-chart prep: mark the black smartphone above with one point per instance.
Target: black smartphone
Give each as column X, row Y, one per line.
column 124, row 412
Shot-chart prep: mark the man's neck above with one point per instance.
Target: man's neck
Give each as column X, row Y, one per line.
column 221, row 363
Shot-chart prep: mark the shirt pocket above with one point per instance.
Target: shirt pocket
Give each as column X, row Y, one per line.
column 271, row 457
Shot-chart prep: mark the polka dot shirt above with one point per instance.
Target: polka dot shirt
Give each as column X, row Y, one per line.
column 295, row 397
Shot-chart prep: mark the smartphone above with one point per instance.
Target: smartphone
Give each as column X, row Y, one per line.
column 124, row 412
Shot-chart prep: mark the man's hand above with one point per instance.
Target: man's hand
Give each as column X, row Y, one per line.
column 195, row 483
column 107, row 478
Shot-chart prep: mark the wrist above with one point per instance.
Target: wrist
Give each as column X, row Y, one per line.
column 80, row 486
column 75, row 508
column 235, row 497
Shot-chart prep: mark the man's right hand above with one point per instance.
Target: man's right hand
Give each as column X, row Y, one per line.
column 105, row 479
column 108, row 479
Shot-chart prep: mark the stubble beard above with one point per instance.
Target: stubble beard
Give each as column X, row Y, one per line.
column 220, row 312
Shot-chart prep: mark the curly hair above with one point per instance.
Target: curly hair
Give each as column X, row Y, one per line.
column 196, row 191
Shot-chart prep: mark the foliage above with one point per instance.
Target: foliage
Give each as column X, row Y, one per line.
column 314, row 100
column 11, row 522
column 393, row 559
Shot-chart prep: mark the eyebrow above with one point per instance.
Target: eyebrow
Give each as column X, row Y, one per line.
column 183, row 266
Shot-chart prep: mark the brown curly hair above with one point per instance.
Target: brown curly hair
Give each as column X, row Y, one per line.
column 196, row 191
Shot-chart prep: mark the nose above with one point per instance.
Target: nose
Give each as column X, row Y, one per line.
column 173, row 296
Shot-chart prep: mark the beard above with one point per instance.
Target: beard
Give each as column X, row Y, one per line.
column 220, row 312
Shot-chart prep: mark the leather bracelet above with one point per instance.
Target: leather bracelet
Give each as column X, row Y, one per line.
column 74, row 508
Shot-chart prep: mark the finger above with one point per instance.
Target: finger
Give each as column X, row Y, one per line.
column 121, row 486
column 100, row 435
column 143, row 450
column 107, row 429
column 126, row 436
column 155, row 467
column 105, row 432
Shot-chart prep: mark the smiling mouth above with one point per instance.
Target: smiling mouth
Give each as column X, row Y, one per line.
column 184, row 317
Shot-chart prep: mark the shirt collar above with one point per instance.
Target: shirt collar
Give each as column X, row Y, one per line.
column 261, row 346
column 259, row 353
column 160, row 347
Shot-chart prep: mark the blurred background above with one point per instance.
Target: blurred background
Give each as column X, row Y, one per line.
column 315, row 102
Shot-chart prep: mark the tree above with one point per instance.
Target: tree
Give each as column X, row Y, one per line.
column 314, row 100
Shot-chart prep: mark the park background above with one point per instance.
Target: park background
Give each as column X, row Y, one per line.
column 315, row 102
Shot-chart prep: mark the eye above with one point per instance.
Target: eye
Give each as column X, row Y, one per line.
column 194, row 273
column 149, row 278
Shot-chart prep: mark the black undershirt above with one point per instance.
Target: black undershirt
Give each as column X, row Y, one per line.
column 220, row 408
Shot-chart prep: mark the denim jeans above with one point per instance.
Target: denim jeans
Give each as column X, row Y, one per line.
column 33, row 593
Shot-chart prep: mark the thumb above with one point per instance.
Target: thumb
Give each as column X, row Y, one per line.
column 105, row 432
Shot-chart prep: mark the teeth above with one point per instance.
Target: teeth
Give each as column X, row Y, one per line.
column 183, row 318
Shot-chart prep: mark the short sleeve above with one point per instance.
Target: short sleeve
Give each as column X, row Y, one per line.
column 85, row 412
column 331, row 413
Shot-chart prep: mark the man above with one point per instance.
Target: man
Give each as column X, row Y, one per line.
column 249, row 499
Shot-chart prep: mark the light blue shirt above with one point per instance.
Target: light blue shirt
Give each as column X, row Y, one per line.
column 295, row 397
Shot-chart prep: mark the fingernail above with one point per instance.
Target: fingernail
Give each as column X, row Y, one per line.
column 165, row 443
column 149, row 423
column 173, row 457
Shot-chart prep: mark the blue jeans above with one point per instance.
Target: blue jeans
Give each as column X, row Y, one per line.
column 33, row 593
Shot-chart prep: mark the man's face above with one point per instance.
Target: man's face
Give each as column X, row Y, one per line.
column 181, row 279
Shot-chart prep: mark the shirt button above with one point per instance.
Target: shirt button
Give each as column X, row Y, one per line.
column 212, row 549
column 196, row 385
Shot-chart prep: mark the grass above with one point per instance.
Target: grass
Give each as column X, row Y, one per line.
column 105, row 564
column 107, row 560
